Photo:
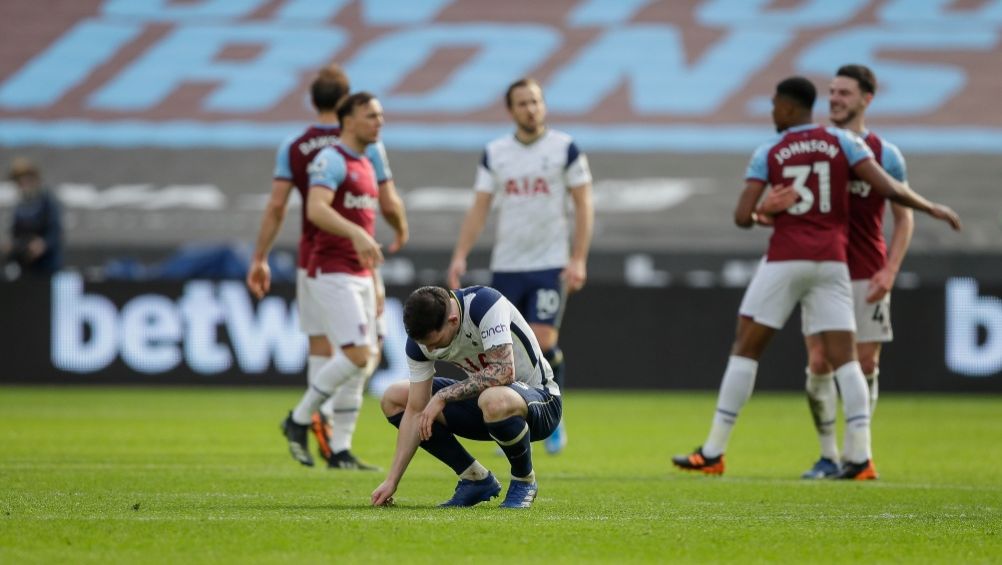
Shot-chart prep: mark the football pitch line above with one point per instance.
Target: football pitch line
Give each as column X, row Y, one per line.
column 670, row 475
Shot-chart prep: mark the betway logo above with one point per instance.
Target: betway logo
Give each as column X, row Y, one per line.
column 155, row 334
column 360, row 201
column 973, row 330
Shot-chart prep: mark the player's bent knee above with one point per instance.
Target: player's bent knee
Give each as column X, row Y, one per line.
column 496, row 404
column 819, row 366
column 359, row 355
column 869, row 366
column 394, row 399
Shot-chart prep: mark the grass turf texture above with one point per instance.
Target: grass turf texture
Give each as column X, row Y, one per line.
column 104, row 475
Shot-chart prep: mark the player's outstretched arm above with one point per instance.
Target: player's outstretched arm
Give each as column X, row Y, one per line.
column 259, row 274
column 886, row 185
column 408, row 440
column 473, row 224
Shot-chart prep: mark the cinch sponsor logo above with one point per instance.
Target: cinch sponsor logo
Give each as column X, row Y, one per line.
column 498, row 329
column 360, row 201
column 153, row 334
column 973, row 330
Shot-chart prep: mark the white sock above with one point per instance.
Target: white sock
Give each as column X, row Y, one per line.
column 735, row 390
column 822, row 399
column 313, row 364
column 303, row 412
column 313, row 397
column 873, row 385
column 475, row 472
column 327, row 409
column 530, row 479
column 345, row 404
column 856, row 407
column 331, row 375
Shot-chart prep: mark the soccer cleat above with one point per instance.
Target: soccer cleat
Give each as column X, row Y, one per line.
column 864, row 471
column 295, row 434
column 471, row 493
column 520, row 494
column 347, row 460
column 824, row 468
column 557, row 440
column 696, row 461
column 323, row 433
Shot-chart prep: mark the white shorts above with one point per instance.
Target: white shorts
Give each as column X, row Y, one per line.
column 821, row 287
column 311, row 321
column 347, row 305
column 873, row 321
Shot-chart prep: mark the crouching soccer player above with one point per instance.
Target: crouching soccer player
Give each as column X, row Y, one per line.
column 509, row 395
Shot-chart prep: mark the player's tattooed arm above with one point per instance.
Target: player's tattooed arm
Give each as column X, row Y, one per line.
column 498, row 371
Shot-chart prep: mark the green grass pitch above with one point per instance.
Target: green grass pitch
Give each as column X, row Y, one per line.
column 165, row 475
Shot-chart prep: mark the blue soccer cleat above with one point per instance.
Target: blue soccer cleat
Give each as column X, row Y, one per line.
column 471, row 493
column 520, row 494
column 824, row 468
column 557, row 440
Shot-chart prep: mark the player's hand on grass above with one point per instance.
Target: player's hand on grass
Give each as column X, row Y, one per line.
column 259, row 278
column 383, row 495
column 945, row 213
column 457, row 268
column 427, row 416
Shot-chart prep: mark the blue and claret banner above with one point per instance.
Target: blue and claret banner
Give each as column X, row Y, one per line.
column 621, row 75
column 67, row 331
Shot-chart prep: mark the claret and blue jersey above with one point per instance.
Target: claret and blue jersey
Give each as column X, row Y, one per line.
column 292, row 160
column 817, row 161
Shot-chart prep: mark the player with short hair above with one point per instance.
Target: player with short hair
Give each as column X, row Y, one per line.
column 509, row 395
column 532, row 173
column 809, row 166
column 293, row 161
column 873, row 265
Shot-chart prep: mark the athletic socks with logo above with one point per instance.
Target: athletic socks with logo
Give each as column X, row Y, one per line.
column 735, row 390
column 856, row 407
column 512, row 434
column 822, row 399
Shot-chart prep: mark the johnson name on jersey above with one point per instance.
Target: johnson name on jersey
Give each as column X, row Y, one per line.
column 487, row 320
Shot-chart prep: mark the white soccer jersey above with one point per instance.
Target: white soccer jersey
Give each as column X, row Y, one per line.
column 530, row 183
column 488, row 320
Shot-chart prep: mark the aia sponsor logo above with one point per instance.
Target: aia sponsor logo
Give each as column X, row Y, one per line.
column 526, row 186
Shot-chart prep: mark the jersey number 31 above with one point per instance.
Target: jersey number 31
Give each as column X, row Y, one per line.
column 800, row 174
